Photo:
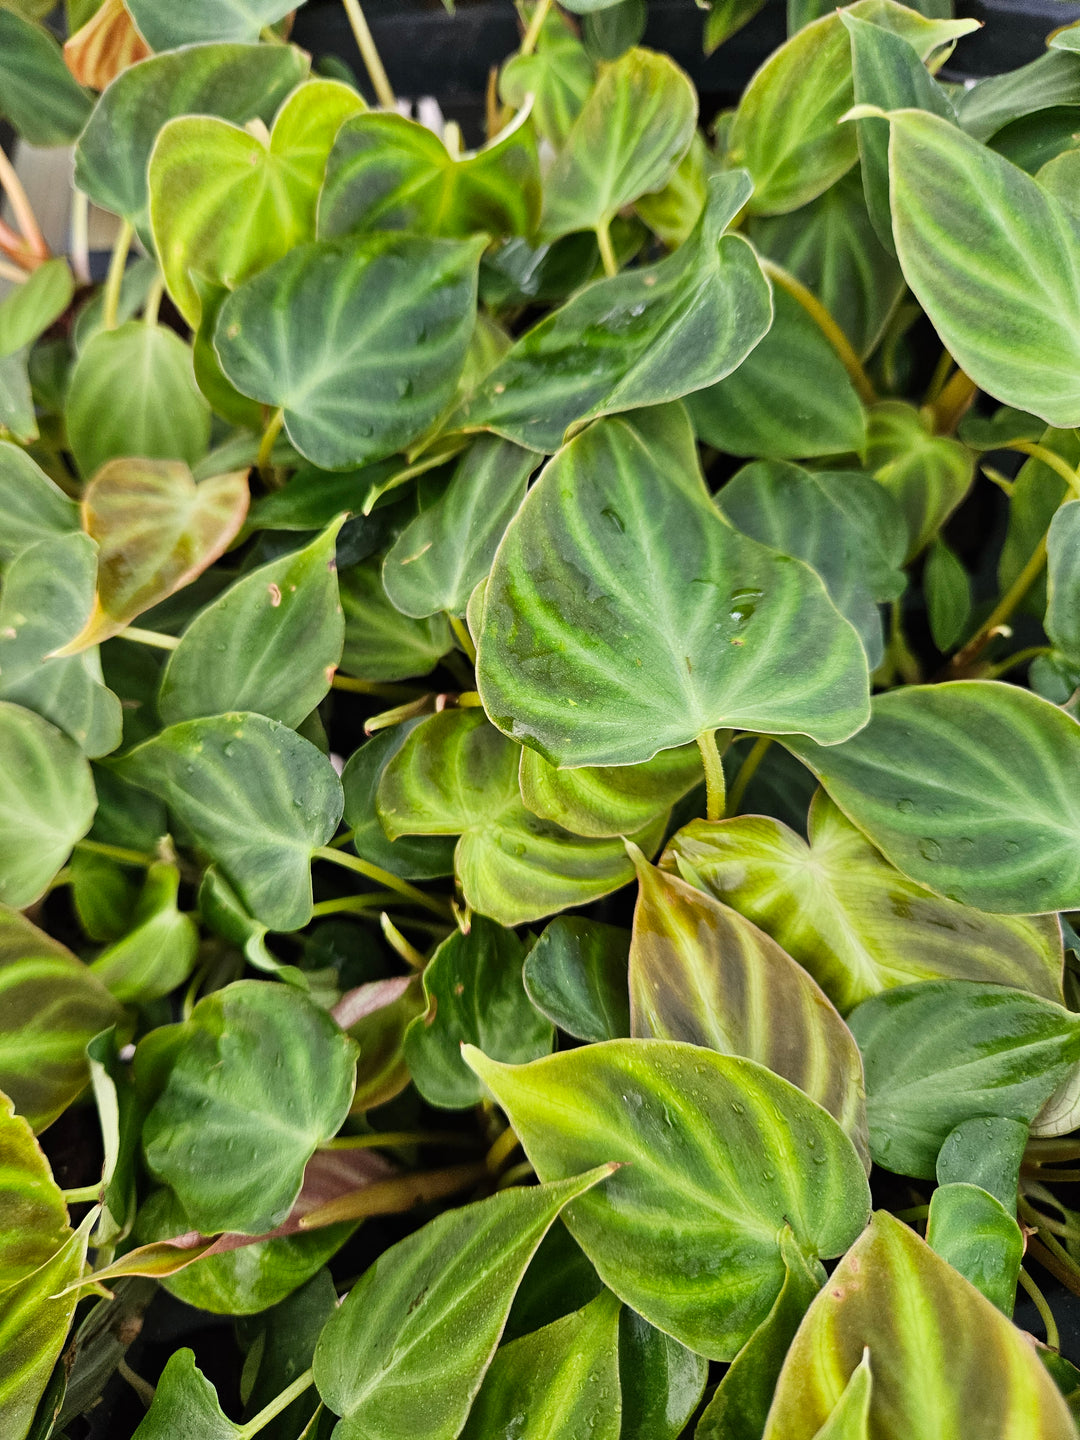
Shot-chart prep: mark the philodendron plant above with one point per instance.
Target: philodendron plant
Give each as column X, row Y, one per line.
column 539, row 807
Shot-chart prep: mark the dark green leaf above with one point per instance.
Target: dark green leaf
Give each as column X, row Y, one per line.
column 30, row 308
column 575, row 974
column 608, row 800
column 159, row 951
column 164, row 26
column 661, row 1380
column 37, row 92
column 1063, row 564
column 558, row 75
column 185, row 1403
column 948, row 595
column 382, row 643
column 1048, row 81
column 926, row 474
column 973, row 1231
column 32, row 507
column 986, row 1152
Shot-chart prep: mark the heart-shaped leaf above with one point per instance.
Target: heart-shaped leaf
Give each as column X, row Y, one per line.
column 633, row 130
column 701, row 973
column 270, row 643
column 576, row 975
column 185, row 1402
column 946, row 1364
column 46, row 596
column 32, row 507
column 158, row 953
column 790, row 398
column 558, row 75
column 392, row 320
column 840, row 522
column 652, row 652
column 236, row 82
column 977, row 236
column 389, row 173
column 40, row 97
column 434, row 1302
column 261, row 1076
column 853, row 921
column 966, row 788
column 441, row 556
column 926, row 474
column 414, row 857
column 165, row 27
column 608, row 800
column 40, row 1257
column 474, row 993
column 562, row 1381
column 456, row 775
column 850, row 1420
column 945, row 1051
column 637, row 339
column 47, row 802
column 688, row 1233
column 1063, row 565
column 226, row 203
column 973, row 1231
column 255, row 796
column 381, row 642
column 986, row 1152
column 661, row 1380
column 52, row 1007
column 156, row 531
column 133, row 393
column 28, row 310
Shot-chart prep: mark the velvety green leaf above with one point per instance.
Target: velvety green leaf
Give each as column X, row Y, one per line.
column 840, row 522
column 672, row 213
column 235, row 82
column 389, row 173
column 280, row 1344
column 270, row 643
column 977, row 236
column 926, row 474
column 456, row 775
column 558, row 75
column 435, row 1303
column 185, row 1403
column 888, row 73
column 649, row 654
column 640, row 338
column 791, row 397
column 30, row 308
column 853, row 921
column 688, row 1234
column 40, row 1257
column 47, row 802
column 944, row 1051
column 382, row 643
column 46, row 596
column 32, row 507
column 608, row 800
column 262, row 1077
column 474, row 993
column 631, row 133
column 103, row 893
column 739, row 1407
column 52, row 1007
column 850, row 1420
column 376, row 326
column 133, row 393
column 701, row 973
column 966, row 788
column 986, row 1152
column 560, row 1279
column 414, row 857
column 254, row 796
column 661, row 1380
column 166, row 26
column 973, row 1231
column 225, row 203
column 158, row 953
column 156, row 532
column 1049, row 80
column 37, row 92
column 1058, row 178
column 830, row 245
column 18, row 417
column 946, row 1365
column 948, row 595
column 561, row 1381
column 725, row 18
column 575, row 974
column 1063, row 564
column 440, row 557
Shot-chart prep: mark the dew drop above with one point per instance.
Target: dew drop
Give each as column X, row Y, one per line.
column 1012, row 847
column 616, row 519
column 905, row 806
column 929, row 849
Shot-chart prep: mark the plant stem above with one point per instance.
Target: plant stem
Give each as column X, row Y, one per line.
column 277, row 1405
column 147, row 637
column 80, row 235
column 110, row 305
column 827, row 325
column 397, row 942
column 114, row 852
column 1020, row 658
column 607, row 251
column 22, row 209
column 354, row 904
column 369, row 54
column 263, row 461
column 82, row 1193
column 377, row 688
column 394, row 1139
column 13, row 273
column 464, row 639
column 142, row 1388
column 747, row 771
column 954, row 400
column 1048, row 458
column 13, row 244
column 502, row 1149
column 395, row 1195
column 384, row 877
column 153, row 301
column 1046, row 1315
column 939, row 377
column 715, row 784
column 1001, row 611
column 536, row 25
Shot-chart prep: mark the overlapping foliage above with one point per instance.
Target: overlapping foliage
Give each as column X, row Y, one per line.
column 538, row 700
